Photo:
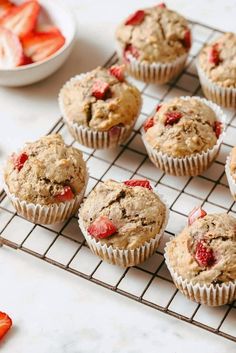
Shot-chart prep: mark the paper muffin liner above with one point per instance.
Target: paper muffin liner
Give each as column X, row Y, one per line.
column 46, row 214
column 125, row 257
column 231, row 181
column 190, row 165
column 212, row 295
column 159, row 73
column 224, row 96
column 92, row 138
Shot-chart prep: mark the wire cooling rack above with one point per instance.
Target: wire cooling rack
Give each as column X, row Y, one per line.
column 150, row 283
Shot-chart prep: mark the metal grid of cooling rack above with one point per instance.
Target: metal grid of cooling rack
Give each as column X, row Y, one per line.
column 150, row 283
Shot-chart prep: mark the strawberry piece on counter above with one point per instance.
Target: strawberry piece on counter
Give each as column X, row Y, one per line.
column 135, row 182
column 148, row 123
column 5, row 6
column 5, row 324
column 136, row 18
column 118, row 72
column 196, row 213
column 218, row 128
column 204, row 254
column 214, row 54
column 21, row 19
column 172, row 118
column 187, row 39
column 65, row 195
column 40, row 45
column 11, row 51
column 19, row 160
column 102, row 228
column 99, row 89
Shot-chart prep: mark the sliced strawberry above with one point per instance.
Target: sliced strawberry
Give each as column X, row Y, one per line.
column 5, row 6
column 172, row 117
column 21, row 19
column 214, row 54
column 162, row 4
column 217, row 128
column 130, row 49
column 48, row 29
column 204, row 254
column 136, row 18
column 40, row 45
column 118, row 72
column 187, row 39
column 148, row 123
column 5, row 324
column 65, row 195
column 19, row 160
column 26, row 60
column 102, row 228
column 158, row 107
column 100, row 89
column 196, row 213
column 11, row 51
column 135, row 182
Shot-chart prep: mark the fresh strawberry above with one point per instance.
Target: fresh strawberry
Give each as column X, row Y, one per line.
column 65, row 195
column 204, row 255
column 214, row 54
column 196, row 213
column 172, row 117
column 21, row 19
column 19, row 160
column 5, row 324
column 187, row 39
column 162, row 4
column 26, row 60
column 102, row 228
column 158, row 107
column 130, row 49
column 134, row 182
column 5, row 6
column 11, row 51
column 40, row 45
column 44, row 28
column 148, row 123
column 136, row 18
column 217, row 128
column 100, row 89
column 118, row 72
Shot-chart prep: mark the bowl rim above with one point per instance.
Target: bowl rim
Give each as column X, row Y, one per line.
column 67, row 44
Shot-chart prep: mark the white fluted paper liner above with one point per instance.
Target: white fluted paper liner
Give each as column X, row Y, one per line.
column 124, row 257
column 92, row 138
column 47, row 214
column 212, row 295
column 231, row 181
column 159, row 73
column 189, row 165
column 224, row 96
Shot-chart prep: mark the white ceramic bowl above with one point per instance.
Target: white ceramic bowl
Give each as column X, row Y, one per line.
column 61, row 16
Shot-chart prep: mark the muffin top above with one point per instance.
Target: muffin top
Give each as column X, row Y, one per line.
column 123, row 214
column 218, row 60
column 233, row 163
column 100, row 99
column 205, row 252
column 46, row 171
column 155, row 34
column 182, row 127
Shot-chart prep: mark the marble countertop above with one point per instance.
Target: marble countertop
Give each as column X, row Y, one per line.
column 54, row 311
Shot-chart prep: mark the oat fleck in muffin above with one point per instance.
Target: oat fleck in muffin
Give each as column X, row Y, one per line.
column 100, row 101
column 46, row 172
column 124, row 216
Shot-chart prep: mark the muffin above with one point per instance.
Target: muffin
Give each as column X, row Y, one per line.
column 216, row 67
column 184, row 135
column 100, row 107
column 202, row 258
column 154, row 44
column 230, row 171
column 123, row 221
column 46, row 180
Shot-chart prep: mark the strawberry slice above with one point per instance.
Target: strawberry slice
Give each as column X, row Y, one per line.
column 19, row 160
column 196, row 213
column 102, row 228
column 5, row 324
column 65, row 195
column 172, row 118
column 99, row 89
column 148, row 123
column 21, row 19
column 187, row 39
column 217, row 128
column 204, row 254
column 11, row 51
column 48, row 29
column 214, row 54
column 118, row 72
column 136, row 18
column 5, row 6
column 40, row 45
column 135, row 182
column 162, row 5
column 130, row 49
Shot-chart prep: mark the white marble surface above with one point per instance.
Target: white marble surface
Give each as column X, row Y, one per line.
column 54, row 311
